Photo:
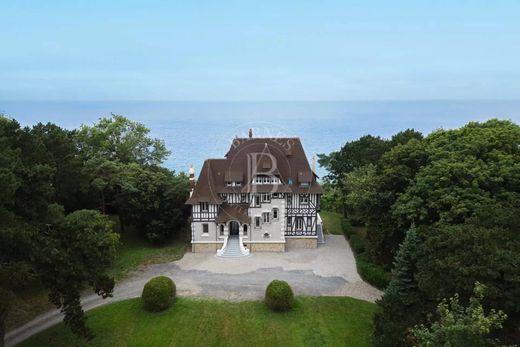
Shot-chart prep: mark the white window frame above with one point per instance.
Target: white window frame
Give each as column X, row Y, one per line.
column 258, row 222
column 266, row 217
column 205, row 226
column 221, row 229
column 276, row 213
column 204, row 206
column 266, row 197
column 304, row 199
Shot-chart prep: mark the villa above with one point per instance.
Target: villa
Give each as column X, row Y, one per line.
column 262, row 197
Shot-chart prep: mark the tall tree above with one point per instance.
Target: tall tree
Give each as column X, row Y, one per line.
column 76, row 249
column 462, row 326
column 120, row 139
column 398, row 314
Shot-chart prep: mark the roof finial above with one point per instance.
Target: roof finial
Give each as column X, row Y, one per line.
column 314, row 163
column 250, row 133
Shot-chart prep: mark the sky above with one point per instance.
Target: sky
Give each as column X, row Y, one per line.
column 259, row 50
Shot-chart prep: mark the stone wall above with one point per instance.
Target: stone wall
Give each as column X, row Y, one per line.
column 266, row 247
column 301, row 242
column 205, row 247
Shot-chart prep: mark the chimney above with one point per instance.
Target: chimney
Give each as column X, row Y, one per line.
column 250, row 133
column 314, row 163
column 191, row 175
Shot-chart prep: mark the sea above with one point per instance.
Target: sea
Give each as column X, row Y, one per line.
column 195, row 131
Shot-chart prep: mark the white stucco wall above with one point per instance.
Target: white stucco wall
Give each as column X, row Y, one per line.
column 275, row 228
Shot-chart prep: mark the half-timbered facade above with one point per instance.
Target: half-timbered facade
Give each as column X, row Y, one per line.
column 263, row 196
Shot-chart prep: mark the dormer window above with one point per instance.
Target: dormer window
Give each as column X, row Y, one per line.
column 304, row 184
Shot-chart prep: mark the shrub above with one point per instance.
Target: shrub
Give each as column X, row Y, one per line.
column 372, row 273
column 279, row 296
column 158, row 294
column 357, row 244
column 346, row 226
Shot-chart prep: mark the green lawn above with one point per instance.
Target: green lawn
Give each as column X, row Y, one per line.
column 315, row 321
column 331, row 222
column 134, row 252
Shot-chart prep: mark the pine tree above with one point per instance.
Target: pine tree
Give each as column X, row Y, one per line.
column 391, row 324
column 403, row 287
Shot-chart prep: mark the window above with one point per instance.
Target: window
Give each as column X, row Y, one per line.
column 258, row 180
column 257, row 222
column 224, row 197
column 304, row 184
column 204, row 206
column 266, row 197
column 275, row 213
column 245, row 229
column 221, row 230
column 304, row 199
column 205, row 228
column 267, row 180
column 257, row 200
column 299, row 223
column 238, row 183
column 266, row 217
column 229, row 184
column 289, row 222
column 309, row 222
column 243, row 197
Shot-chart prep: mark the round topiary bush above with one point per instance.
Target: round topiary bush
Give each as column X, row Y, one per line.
column 279, row 296
column 158, row 294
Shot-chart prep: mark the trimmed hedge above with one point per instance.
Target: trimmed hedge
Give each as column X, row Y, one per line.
column 357, row 244
column 369, row 272
column 158, row 294
column 372, row 273
column 347, row 228
column 279, row 296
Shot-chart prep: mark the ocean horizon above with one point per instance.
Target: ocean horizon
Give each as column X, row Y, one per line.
column 197, row 130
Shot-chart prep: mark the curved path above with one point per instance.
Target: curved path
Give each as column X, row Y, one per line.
column 328, row 270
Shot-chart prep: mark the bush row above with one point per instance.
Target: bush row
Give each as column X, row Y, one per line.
column 159, row 293
column 371, row 273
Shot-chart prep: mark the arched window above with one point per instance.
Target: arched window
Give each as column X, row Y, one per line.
column 275, row 213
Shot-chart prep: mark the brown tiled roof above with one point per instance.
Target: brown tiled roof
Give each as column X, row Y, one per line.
column 236, row 212
column 292, row 167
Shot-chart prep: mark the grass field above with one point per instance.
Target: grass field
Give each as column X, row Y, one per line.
column 134, row 252
column 331, row 222
column 315, row 321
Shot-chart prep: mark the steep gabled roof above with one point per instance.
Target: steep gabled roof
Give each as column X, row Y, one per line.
column 281, row 157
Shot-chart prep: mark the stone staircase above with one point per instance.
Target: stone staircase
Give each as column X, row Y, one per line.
column 321, row 237
column 232, row 249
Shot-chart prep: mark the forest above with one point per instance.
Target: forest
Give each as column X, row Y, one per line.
column 442, row 213
column 58, row 189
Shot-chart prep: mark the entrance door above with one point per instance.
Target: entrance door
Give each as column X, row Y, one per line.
column 233, row 228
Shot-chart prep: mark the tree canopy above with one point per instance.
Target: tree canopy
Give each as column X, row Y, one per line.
column 460, row 189
column 57, row 187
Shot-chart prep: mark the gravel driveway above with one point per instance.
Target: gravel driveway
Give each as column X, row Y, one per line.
column 328, row 270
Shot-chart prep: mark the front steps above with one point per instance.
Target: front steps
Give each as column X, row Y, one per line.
column 232, row 249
